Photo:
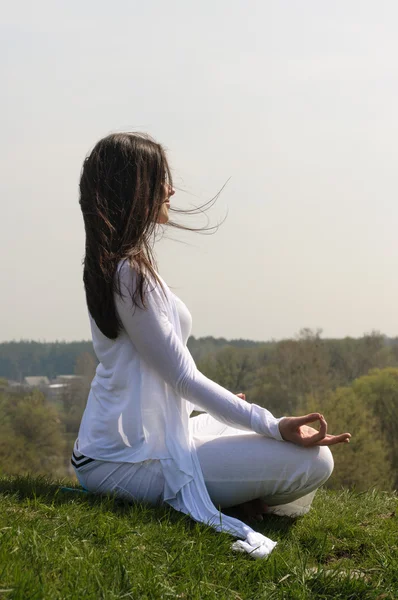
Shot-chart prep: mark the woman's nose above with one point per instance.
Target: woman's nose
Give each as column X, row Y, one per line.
column 171, row 190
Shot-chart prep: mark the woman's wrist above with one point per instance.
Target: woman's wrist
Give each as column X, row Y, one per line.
column 279, row 428
column 278, row 434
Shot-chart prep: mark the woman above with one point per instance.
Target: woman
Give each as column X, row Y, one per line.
column 136, row 437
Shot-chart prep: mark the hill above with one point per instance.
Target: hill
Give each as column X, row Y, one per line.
column 71, row 545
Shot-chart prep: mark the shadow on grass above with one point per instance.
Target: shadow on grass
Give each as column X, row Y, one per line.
column 50, row 493
column 272, row 523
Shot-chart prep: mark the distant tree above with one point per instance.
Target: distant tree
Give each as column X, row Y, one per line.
column 351, row 358
column 294, row 369
column 28, row 357
column 31, row 435
column 378, row 391
column 364, row 462
column 206, row 346
column 233, row 368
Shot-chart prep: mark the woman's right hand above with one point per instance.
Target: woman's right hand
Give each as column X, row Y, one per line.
column 296, row 430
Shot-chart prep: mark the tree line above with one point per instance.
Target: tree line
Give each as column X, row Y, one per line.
column 352, row 381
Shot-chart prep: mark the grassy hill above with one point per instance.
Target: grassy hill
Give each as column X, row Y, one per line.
column 70, row 545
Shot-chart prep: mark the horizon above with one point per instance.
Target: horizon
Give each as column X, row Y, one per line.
column 229, row 340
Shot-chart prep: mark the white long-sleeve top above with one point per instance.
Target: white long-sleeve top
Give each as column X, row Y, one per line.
column 144, row 389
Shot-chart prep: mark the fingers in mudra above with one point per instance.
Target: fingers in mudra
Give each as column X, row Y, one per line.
column 297, row 431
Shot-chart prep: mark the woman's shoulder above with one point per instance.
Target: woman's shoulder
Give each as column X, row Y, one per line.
column 130, row 273
column 127, row 265
column 130, row 270
column 131, row 265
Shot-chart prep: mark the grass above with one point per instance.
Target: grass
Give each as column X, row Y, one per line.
column 66, row 545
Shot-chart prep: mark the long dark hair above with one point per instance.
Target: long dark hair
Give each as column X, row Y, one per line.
column 121, row 194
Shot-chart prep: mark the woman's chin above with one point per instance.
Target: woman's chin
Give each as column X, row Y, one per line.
column 163, row 218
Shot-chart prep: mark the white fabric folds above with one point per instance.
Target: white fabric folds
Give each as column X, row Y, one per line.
column 191, row 497
column 141, row 398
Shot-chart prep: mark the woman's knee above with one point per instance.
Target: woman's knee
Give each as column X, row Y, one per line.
column 322, row 466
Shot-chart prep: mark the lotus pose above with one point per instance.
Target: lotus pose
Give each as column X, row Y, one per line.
column 137, row 438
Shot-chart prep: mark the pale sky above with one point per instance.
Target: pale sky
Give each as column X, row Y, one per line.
column 294, row 100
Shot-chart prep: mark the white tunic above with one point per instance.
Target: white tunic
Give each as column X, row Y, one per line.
column 145, row 387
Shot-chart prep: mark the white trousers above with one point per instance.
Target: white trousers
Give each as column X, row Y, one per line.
column 237, row 466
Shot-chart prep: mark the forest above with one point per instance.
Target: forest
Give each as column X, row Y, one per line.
column 352, row 381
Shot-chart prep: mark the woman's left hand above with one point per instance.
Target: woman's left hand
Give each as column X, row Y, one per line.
column 296, row 430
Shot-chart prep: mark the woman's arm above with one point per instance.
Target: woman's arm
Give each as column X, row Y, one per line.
column 154, row 338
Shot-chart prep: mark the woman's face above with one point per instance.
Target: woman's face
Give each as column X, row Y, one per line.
column 164, row 209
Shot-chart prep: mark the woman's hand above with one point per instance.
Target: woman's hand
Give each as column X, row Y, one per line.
column 296, row 430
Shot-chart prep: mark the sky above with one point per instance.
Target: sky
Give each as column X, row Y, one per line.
column 294, row 103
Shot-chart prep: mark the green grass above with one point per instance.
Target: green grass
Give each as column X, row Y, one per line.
column 56, row 544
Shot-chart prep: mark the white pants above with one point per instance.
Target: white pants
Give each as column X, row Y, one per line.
column 237, row 466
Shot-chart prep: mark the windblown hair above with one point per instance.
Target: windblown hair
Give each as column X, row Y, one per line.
column 121, row 194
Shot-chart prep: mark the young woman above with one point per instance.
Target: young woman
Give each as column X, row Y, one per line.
column 136, row 437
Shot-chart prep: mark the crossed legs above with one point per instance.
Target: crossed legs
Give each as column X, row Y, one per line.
column 241, row 466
